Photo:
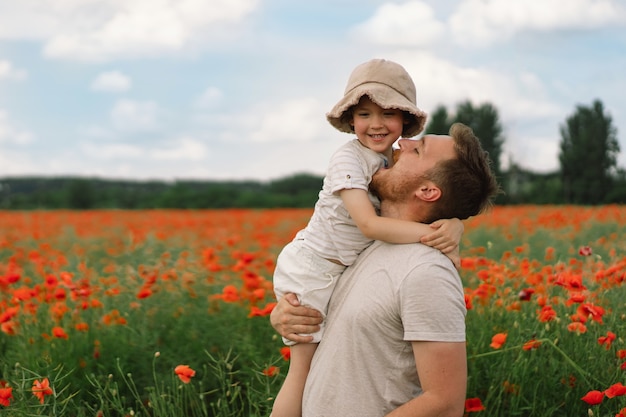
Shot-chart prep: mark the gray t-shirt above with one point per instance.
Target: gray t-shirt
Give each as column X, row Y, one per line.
column 392, row 295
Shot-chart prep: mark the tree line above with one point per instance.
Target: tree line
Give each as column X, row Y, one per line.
column 297, row 191
column 588, row 174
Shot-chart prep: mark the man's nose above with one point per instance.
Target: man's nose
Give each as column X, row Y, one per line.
column 405, row 144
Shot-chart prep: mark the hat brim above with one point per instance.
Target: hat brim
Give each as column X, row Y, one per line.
column 385, row 97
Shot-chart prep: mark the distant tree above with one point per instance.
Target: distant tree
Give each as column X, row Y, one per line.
column 588, row 155
column 617, row 194
column 485, row 122
column 80, row 194
column 439, row 122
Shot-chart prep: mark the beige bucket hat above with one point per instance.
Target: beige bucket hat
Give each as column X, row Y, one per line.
column 387, row 84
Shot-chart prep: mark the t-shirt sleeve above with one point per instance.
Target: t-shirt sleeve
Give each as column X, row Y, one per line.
column 432, row 305
column 348, row 170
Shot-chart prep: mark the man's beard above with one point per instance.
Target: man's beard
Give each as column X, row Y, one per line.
column 389, row 187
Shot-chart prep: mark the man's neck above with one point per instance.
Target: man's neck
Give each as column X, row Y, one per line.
column 399, row 211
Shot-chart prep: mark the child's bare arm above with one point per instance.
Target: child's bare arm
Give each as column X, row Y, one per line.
column 445, row 237
column 376, row 227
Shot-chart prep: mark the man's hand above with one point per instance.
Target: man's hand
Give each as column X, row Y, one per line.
column 290, row 319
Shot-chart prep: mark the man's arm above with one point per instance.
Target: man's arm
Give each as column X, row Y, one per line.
column 290, row 319
column 442, row 369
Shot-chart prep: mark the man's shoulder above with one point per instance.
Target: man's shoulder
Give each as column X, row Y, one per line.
column 404, row 248
column 407, row 256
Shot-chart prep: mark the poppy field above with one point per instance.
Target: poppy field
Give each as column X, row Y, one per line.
column 165, row 312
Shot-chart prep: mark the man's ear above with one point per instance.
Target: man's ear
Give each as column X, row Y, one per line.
column 428, row 191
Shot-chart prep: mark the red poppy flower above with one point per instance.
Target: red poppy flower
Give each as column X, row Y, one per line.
column 607, row 340
column 6, row 394
column 285, row 352
column 10, row 328
column 58, row 332
column 531, row 344
column 585, row 251
column 547, row 313
column 473, row 405
column 615, row 390
column 622, row 413
column 185, row 373
column 41, row 389
column 526, row 294
column 144, row 292
column 576, row 298
column 271, row 371
column 577, row 327
column 81, row 327
column 8, row 314
column 590, row 310
column 593, row 397
column 498, row 340
column 230, row 294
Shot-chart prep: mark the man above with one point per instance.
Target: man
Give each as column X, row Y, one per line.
column 395, row 338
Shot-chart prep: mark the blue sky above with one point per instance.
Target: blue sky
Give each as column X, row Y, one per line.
column 238, row 89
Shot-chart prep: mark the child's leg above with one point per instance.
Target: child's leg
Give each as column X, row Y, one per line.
column 288, row 402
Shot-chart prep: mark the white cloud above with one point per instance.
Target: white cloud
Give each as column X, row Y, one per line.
column 184, row 148
column 12, row 135
column 520, row 96
column 290, row 120
column 210, row 98
column 97, row 132
column 17, row 163
column 112, row 81
column 9, row 72
column 410, row 24
column 112, row 150
column 487, row 21
column 101, row 30
column 131, row 115
column 540, row 153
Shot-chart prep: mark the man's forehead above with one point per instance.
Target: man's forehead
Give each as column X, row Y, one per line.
column 431, row 136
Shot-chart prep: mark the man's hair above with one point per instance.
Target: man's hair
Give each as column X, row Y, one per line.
column 467, row 182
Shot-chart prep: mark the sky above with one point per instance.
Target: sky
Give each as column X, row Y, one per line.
column 238, row 89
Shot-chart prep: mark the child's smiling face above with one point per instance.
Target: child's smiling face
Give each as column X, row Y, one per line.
column 375, row 127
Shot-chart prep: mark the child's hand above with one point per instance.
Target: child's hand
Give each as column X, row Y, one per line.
column 446, row 237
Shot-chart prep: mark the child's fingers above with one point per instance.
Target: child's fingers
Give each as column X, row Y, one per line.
column 432, row 238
